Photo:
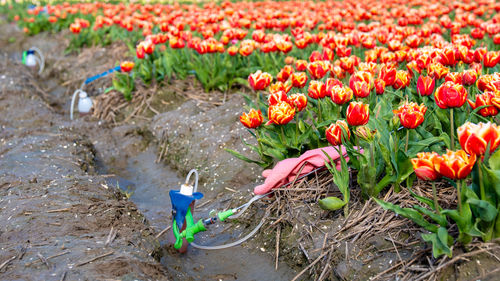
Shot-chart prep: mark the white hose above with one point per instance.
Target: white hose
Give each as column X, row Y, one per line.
column 40, row 60
column 240, row 209
column 73, row 103
column 195, row 172
column 235, row 243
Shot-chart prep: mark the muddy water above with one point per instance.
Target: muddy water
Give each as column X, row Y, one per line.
column 148, row 184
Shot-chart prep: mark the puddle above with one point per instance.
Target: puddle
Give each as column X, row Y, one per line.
column 149, row 183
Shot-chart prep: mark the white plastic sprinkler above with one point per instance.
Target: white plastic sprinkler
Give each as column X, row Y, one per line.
column 84, row 103
column 31, row 59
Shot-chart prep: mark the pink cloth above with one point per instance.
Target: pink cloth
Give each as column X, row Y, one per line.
column 286, row 170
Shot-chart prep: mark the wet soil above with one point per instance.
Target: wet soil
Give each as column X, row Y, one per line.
column 69, row 186
column 65, row 185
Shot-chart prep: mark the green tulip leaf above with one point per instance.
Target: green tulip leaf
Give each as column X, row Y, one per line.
column 485, row 210
column 439, row 242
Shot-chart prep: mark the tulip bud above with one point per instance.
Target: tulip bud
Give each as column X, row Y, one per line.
column 365, row 133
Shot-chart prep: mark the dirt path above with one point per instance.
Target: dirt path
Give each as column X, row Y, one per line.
column 56, row 217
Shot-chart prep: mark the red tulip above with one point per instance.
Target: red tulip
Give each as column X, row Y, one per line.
column 299, row 100
column 341, row 95
column 299, row 79
column 425, row 85
column 280, row 86
column 411, row 115
column 318, row 69
column 402, row 80
column 259, row 80
column 469, row 77
column 474, row 138
column 379, row 86
column 301, row 65
column 388, row 74
column 484, row 100
column 451, row 95
column 281, row 113
column 127, row 66
column 284, row 73
column 424, row 166
column 491, row 59
column 317, row 89
column 252, row 120
column 455, row 165
column 337, row 132
column 357, row 114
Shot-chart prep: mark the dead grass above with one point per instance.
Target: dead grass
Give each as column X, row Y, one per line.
column 296, row 206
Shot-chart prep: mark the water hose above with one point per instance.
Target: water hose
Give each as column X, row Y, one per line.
column 229, row 214
column 73, row 103
column 89, row 80
column 233, row 213
column 40, row 60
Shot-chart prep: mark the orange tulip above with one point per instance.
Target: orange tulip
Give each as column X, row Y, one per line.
column 411, row 115
column 330, row 83
column 424, row 166
column 388, row 74
column 402, row 80
column 425, row 85
column 277, row 97
column 284, row 73
column 379, row 86
column 469, row 77
column 280, row 86
column 299, row 100
column 317, row 89
column 455, row 165
column 485, row 100
column 495, row 100
column 341, row 95
column 127, row 66
column 455, row 77
column 246, row 50
column 474, row 138
column 75, row 28
column 299, row 79
column 437, row 70
column 233, row 50
column 281, row 113
column 360, row 89
column 451, row 95
column 491, row 59
column 335, row 134
column 318, row 69
column 259, row 80
column 253, row 119
column 301, row 65
column 357, row 114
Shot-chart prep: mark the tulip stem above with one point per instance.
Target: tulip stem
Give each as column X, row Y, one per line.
column 258, row 99
column 459, row 196
column 319, row 110
column 434, row 194
column 282, row 134
column 297, row 133
column 481, row 184
column 407, row 138
column 452, row 133
column 258, row 142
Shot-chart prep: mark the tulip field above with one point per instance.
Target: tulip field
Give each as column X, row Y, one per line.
column 410, row 89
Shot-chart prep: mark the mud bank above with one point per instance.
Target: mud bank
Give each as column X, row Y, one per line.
column 59, row 220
